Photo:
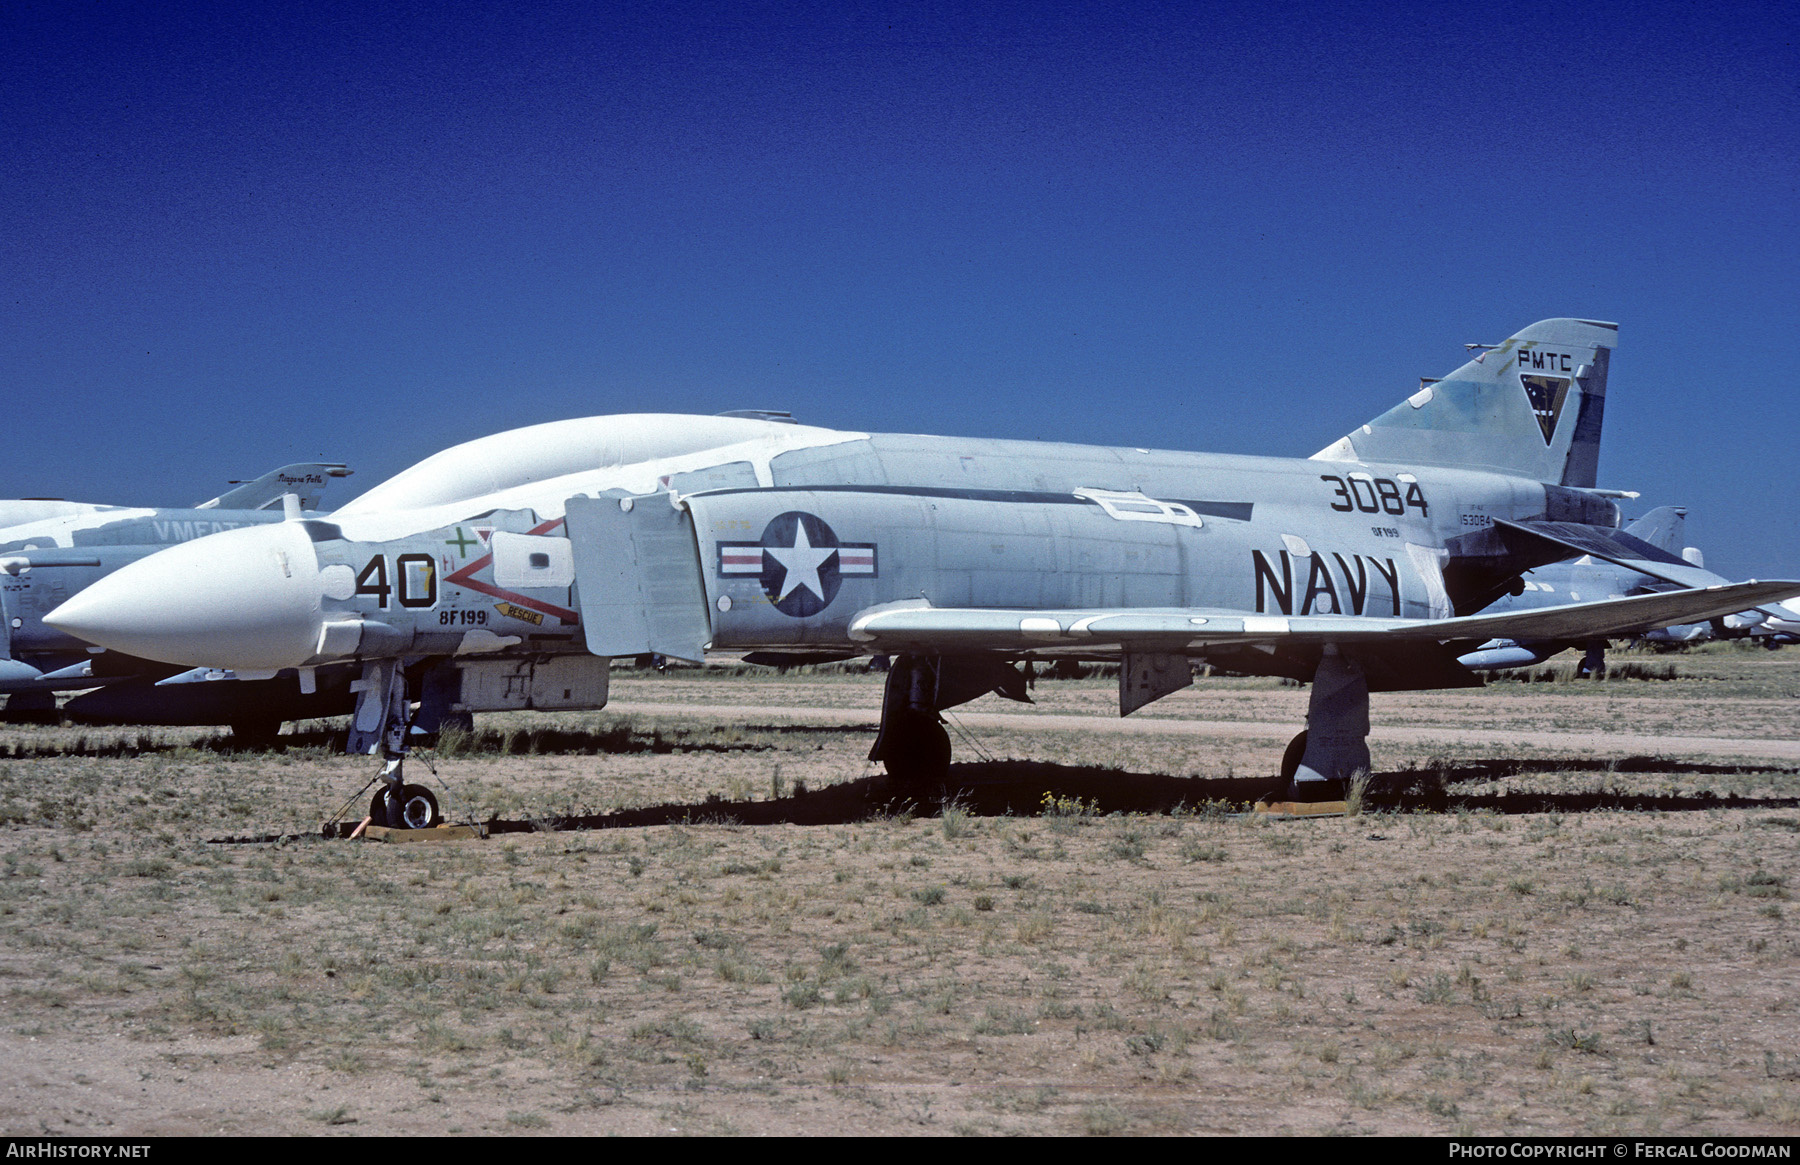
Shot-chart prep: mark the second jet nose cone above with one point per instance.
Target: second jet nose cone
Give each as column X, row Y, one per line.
column 247, row 599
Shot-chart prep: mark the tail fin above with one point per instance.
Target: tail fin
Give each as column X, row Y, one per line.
column 307, row 479
column 1662, row 528
column 1531, row 406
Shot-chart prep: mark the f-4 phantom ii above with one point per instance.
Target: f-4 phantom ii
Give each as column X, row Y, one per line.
column 508, row 571
column 52, row 549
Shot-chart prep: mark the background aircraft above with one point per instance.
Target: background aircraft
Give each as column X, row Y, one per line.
column 1584, row 580
column 52, row 549
column 305, row 480
column 1782, row 624
column 1587, row 579
column 506, row 572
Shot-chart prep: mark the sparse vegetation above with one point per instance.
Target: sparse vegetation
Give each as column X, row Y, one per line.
column 665, row 933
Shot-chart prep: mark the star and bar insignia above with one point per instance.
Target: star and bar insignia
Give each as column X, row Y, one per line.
column 800, row 562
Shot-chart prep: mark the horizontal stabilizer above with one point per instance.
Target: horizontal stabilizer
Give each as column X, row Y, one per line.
column 912, row 626
column 1621, row 548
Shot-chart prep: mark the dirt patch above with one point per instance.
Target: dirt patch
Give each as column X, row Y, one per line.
column 755, row 933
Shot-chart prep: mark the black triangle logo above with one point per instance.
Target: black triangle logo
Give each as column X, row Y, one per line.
column 1546, row 394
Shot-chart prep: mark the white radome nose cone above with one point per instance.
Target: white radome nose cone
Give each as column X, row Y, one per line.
column 247, row 599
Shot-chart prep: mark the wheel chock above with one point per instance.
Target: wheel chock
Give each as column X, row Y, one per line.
column 1303, row 808
column 434, row 833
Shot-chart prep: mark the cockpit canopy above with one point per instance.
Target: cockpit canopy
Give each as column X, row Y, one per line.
column 539, row 452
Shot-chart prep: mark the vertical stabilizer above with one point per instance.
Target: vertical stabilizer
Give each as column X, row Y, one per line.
column 1531, row 406
column 306, row 480
column 1664, row 528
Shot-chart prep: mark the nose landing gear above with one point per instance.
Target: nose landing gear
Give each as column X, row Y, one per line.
column 398, row 805
column 382, row 723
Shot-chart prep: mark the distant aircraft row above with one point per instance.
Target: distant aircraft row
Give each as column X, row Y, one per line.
column 1461, row 530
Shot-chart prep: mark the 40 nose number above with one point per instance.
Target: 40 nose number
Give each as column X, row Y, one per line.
column 415, row 581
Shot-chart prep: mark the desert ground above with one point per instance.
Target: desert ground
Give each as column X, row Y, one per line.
column 1564, row 908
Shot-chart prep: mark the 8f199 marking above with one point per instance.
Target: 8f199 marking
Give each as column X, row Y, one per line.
column 1375, row 495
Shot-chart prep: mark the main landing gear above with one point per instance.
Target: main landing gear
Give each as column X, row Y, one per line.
column 917, row 749
column 1320, row 763
column 912, row 741
column 1593, row 661
column 257, row 734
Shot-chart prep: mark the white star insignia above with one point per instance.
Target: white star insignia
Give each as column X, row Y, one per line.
column 801, row 562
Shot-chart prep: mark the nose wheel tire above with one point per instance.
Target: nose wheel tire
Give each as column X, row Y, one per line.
column 409, row 807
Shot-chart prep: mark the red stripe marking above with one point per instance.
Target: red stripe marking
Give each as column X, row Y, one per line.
column 465, row 578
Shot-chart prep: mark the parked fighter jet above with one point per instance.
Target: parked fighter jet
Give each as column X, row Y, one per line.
column 52, row 549
column 508, row 571
column 1782, row 624
column 305, row 480
column 1585, row 580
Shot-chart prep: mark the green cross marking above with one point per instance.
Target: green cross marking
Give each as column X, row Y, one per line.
column 462, row 542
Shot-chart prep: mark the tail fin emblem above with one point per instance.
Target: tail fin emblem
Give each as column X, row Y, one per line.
column 1546, row 394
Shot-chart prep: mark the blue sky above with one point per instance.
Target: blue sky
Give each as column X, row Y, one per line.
column 233, row 236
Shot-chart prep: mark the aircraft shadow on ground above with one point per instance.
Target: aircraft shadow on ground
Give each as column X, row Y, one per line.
column 1015, row 787
column 1020, row 788
column 98, row 741
column 1431, row 788
column 986, row 789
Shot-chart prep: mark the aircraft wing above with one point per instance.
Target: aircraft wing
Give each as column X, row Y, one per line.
column 916, row 626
